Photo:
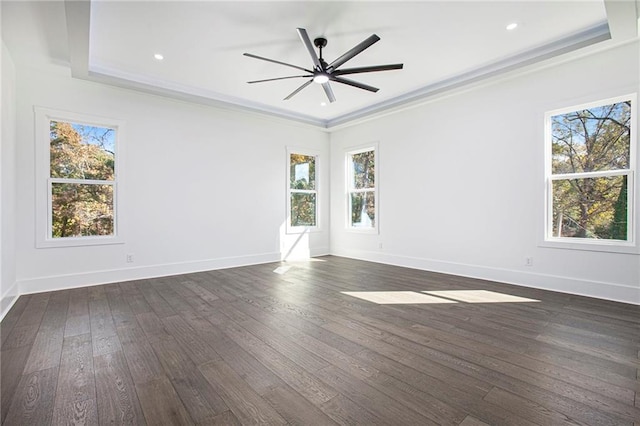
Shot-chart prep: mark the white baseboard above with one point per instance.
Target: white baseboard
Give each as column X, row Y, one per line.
column 67, row 281
column 8, row 299
column 319, row 251
column 598, row 289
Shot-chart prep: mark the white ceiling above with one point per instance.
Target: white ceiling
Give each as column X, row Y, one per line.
column 442, row 45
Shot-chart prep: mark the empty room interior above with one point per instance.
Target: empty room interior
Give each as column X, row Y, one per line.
column 320, row 213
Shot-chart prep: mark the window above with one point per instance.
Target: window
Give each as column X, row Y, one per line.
column 590, row 173
column 361, row 189
column 302, row 191
column 78, row 169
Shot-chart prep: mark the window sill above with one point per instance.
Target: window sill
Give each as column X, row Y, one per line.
column 370, row 231
column 78, row 242
column 599, row 246
column 303, row 230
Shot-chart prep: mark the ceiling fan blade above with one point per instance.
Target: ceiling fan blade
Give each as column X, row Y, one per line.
column 353, row 52
column 373, row 68
column 280, row 78
column 292, row 94
column 354, row 84
column 329, row 92
column 307, row 43
column 276, row 62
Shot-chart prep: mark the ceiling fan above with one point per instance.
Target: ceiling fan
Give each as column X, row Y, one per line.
column 322, row 72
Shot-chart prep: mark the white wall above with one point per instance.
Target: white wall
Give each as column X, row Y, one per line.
column 203, row 188
column 8, row 287
column 462, row 182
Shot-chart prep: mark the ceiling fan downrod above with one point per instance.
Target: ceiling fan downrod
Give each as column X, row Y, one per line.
column 321, row 42
column 320, row 75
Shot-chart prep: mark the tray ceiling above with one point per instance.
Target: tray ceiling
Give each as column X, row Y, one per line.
column 442, row 45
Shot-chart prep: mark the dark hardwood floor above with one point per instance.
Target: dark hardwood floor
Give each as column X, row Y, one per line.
column 249, row 345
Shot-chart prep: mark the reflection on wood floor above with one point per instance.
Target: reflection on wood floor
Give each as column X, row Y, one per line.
column 329, row 341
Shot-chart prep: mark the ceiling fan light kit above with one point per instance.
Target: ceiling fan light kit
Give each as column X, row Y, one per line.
column 320, row 78
column 323, row 73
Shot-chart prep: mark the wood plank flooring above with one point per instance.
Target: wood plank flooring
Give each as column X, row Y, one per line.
column 252, row 346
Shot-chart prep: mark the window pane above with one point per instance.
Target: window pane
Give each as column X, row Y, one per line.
column 590, row 208
column 363, row 168
column 593, row 139
column 80, row 210
column 303, row 209
column 81, row 152
column 303, row 172
column 363, row 209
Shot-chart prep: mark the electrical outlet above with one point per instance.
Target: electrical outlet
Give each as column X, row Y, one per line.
column 528, row 261
column 129, row 258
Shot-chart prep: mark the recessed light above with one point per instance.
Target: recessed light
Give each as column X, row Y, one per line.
column 323, row 104
column 512, row 26
column 158, row 56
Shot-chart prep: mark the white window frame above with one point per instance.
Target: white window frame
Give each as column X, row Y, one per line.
column 619, row 246
column 350, row 190
column 44, row 181
column 310, row 153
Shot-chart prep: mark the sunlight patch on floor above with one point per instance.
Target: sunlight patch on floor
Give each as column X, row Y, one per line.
column 433, row 297
column 281, row 270
column 479, row 296
column 396, row 297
